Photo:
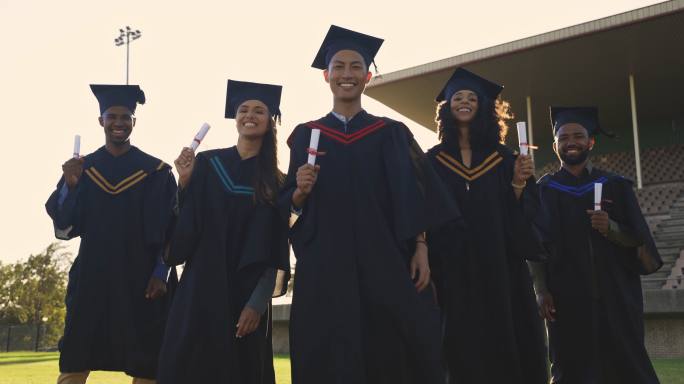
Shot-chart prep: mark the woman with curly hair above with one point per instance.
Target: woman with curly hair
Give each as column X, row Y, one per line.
column 492, row 331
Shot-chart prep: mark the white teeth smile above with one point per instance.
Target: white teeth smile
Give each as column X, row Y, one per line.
column 250, row 125
column 465, row 110
column 346, row 85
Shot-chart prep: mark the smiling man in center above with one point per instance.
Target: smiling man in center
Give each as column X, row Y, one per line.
column 363, row 310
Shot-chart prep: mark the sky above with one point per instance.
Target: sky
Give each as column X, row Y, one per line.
column 52, row 51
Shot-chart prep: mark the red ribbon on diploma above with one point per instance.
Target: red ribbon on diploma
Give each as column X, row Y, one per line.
column 314, row 152
column 529, row 146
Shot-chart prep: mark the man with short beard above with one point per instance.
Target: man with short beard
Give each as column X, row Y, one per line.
column 589, row 290
column 118, row 200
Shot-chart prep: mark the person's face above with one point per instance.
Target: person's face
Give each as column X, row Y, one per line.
column 464, row 104
column 347, row 75
column 118, row 123
column 573, row 143
column 252, row 118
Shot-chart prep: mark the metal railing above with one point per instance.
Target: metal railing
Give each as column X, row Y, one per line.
column 23, row 338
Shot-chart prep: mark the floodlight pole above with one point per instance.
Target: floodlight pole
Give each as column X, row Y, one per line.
column 635, row 129
column 128, row 56
column 126, row 37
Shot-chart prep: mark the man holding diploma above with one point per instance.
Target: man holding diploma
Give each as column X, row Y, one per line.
column 589, row 290
column 118, row 200
column 362, row 309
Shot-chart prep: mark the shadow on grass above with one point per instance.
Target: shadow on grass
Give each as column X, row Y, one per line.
column 22, row 355
column 27, row 359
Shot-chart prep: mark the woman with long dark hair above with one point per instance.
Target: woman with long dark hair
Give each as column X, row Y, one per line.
column 492, row 331
column 234, row 246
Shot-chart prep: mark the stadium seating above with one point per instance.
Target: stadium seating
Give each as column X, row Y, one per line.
column 676, row 278
column 658, row 165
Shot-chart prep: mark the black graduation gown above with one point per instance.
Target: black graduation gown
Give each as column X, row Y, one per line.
column 226, row 241
column 598, row 335
column 356, row 316
column 121, row 210
column 493, row 333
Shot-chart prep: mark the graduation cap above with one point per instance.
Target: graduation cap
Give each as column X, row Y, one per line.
column 240, row 91
column 463, row 79
column 587, row 117
column 118, row 95
column 339, row 39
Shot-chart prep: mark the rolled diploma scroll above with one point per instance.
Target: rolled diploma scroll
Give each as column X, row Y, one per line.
column 522, row 137
column 77, row 146
column 313, row 145
column 199, row 136
column 598, row 191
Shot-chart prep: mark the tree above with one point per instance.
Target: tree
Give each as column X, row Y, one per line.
column 32, row 292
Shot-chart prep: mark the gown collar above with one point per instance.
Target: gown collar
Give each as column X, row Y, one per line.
column 586, row 172
column 343, row 119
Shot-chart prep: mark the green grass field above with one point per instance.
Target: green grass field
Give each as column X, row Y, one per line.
column 41, row 368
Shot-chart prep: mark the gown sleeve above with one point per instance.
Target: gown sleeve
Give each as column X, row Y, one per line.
column 619, row 235
column 266, row 247
column 160, row 197
column 419, row 199
column 263, row 291
column 64, row 210
column 524, row 240
column 298, row 156
column 188, row 223
column 304, row 227
column 538, row 273
column 647, row 259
